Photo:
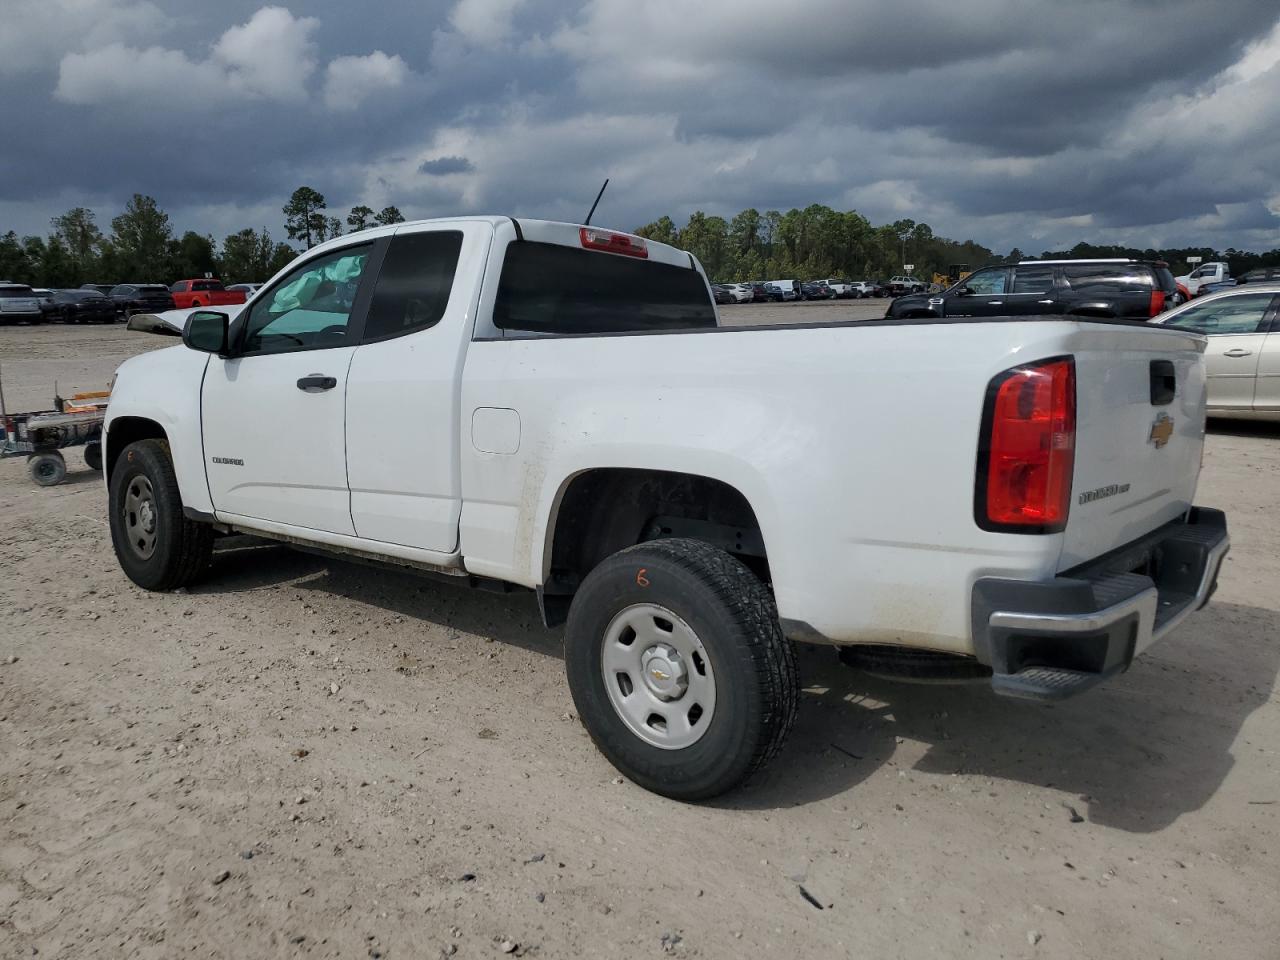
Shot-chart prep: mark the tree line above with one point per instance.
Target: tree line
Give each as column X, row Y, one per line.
column 814, row 243
column 811, row 244
column 141, row 246
column 819, row 243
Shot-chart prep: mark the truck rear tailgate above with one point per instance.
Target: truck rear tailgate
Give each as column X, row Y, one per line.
column 1140, row 414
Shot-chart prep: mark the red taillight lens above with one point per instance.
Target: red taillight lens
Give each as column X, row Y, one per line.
column 1027, row 453
column 1157, row 302
column 611, row 242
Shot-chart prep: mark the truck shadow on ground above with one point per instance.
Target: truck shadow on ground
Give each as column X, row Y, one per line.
column 1244, row 428
column 1134, row 754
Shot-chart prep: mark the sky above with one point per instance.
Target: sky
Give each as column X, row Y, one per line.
column 1010, row 122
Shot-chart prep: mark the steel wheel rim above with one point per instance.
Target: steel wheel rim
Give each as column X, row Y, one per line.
column 47, row 469
column 658, row 676
column 141, row 521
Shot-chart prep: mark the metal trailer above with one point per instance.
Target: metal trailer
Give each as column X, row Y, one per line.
column 41, row 435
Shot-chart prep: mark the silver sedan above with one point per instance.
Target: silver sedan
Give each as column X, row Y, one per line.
column 1243, row 357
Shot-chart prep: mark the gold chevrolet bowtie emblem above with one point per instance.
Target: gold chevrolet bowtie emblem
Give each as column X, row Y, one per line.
column 1161, row 430
column 659, row 675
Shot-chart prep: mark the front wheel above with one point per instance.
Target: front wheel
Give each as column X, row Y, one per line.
column 679, row 669
column 157, row 546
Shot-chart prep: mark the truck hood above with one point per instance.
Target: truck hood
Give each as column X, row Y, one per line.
column 173, row 322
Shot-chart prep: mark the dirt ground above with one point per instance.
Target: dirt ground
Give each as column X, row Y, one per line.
column 310, row 758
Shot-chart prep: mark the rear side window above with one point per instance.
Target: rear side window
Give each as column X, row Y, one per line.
column 1032, row 279
column 548, row 288
column 178, row 287
column 1107, row 278
column 413, row 287
column 1242, row 314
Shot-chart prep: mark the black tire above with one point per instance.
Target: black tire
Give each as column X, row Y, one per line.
column 93, row 456
column 181, row 548
column 47, row 469
column 753, row 664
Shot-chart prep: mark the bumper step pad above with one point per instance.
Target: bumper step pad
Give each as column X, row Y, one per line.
column 1044, row 683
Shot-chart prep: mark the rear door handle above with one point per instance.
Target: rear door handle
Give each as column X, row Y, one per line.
column 995, row 303
column 1044, row 301
column 1238, row 352
column 316, row 382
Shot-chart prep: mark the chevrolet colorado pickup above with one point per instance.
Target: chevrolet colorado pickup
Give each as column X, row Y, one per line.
column 518, row 402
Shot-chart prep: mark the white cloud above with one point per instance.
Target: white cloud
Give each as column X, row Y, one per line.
column 270, row 56
column 151, row 77
column 37, row 33
column 485, row 23
column 349, row 81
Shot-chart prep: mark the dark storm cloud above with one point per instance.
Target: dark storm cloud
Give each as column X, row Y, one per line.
column 443, row 166
column 1010, row 121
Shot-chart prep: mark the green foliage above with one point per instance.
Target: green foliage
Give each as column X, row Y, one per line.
column 389, row 215
column 141, row 237
column 191, row 257
column 304, row 216
column 360, row 218
column 81, row 236
column 811, row 244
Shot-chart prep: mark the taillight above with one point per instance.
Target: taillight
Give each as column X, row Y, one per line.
column 611, row 242
column 1157, row 302
column 1026, row 453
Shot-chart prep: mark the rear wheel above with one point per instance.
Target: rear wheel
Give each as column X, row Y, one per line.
column 679, row 669
column 93, row 456
column 48, row 469
column 157, row 546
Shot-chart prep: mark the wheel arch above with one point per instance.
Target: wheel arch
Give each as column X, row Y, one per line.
column 598, row 511
column 124, row 431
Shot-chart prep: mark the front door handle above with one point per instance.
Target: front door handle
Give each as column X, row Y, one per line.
column 1046, row 302
column 995, row 303
column 1238, row 352
column 316, row 382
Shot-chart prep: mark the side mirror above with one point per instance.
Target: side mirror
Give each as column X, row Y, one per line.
column 206, row 331
column 964, row 291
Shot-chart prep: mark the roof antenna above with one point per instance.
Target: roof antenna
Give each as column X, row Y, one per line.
column 591, row 213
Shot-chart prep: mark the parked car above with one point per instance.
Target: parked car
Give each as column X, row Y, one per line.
column 204, row 293
column 899, row 286
column 103, row 288
column 1207, row 288
column 1097, row 288
column 248, row 289
column 84, row 306
column 841, row 289
column 759, row 293
column 816, row 290
column 1260, row 275
column 790, row 289
column 1242, row 360
column 44, row 297
column 863, row 288
column 721, row 294
column 682, row 555
column 19, row 304
column 1213, row 272
column 882, row 288
column 131, row 298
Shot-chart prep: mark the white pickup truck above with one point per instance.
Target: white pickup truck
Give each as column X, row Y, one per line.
column 1203, row 275
column 556, row 407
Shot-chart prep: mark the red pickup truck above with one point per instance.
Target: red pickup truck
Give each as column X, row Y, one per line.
column 204, row 293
